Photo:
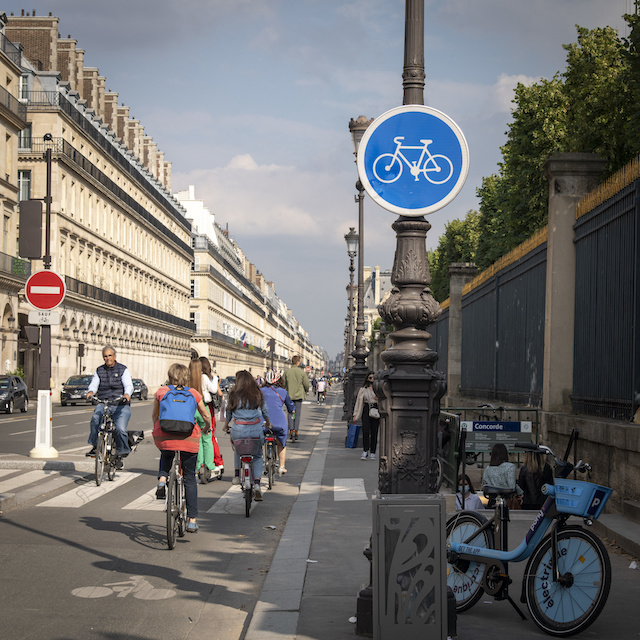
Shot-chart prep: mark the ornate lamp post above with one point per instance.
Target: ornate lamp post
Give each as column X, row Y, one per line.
column 351, row 239
column 357, row 128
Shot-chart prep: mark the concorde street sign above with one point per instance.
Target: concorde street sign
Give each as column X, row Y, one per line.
column 413, row 160
column 45, row 290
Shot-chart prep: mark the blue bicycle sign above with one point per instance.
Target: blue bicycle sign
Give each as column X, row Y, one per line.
column 413, row 160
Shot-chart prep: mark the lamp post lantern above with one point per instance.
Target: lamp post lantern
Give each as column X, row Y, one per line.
column 351, row 239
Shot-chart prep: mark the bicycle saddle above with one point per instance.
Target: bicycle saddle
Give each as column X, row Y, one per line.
column 494, row 492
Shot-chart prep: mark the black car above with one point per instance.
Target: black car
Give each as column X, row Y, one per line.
column 75, row 390
column 140, row 389
column 13, row 394
column 227, row 383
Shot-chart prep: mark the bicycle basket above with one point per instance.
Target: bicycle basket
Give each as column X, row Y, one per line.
column 247, row 446
column 579, row 498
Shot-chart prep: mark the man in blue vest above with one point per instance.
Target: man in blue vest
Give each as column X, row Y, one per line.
column 111, row 380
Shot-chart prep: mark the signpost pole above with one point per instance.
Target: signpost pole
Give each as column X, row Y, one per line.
column 44, row 428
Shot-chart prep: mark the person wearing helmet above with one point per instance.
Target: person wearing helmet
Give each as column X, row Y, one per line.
column 277, row 399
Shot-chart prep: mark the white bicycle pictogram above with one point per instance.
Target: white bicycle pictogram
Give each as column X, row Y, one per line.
column 387, row 167
column 137, row 586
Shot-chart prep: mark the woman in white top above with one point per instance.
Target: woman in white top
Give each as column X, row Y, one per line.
column 365, row 401
column 211, row 389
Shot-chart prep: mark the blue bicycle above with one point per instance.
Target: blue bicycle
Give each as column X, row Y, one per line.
column 568, row 576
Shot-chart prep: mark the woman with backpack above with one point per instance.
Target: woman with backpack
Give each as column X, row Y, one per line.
column 277, row 398
column 174, row 409
column 245, row 417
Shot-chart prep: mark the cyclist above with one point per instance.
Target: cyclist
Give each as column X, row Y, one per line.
column 187, row 443
column 111, row 380
column 246, row 416
column 322, row 390
column 277, row 398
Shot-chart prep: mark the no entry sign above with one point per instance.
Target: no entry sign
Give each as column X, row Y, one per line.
column 45, row 289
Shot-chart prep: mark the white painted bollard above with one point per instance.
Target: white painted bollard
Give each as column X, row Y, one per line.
column 44, row 428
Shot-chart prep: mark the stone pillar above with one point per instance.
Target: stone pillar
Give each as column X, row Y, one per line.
column 459, row 274
column 571, row 176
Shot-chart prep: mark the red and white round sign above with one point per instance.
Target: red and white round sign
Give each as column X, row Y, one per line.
column 45, row 289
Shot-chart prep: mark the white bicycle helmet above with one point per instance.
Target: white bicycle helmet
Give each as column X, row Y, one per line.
column 272, row 377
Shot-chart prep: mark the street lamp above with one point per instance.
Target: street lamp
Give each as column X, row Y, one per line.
column 351, row 239
column 357, row 128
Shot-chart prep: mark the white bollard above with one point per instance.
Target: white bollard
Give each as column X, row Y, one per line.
column 44, row 428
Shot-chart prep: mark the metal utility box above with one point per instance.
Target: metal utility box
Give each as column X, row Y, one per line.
column 409, row 567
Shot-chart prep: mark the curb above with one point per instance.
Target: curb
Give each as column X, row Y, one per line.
column 48, row 465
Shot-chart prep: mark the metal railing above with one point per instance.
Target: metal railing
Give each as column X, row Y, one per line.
column 10, row 50
column 15, row 266
column 13, row 104
column 102, row 295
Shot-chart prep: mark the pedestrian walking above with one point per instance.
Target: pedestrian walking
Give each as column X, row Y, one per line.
column 366, row 412
column 297, row 385
column 213, row 396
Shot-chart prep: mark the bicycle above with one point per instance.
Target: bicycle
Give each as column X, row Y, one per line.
column 106, row 457
column 176, row 503
column 247, row 449
column 568, row 576
column 388, row 167
column 270, row 457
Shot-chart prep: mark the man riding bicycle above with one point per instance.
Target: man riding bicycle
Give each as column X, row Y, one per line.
column 111, row 380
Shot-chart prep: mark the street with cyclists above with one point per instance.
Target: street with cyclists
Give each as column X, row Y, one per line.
column 294, row 567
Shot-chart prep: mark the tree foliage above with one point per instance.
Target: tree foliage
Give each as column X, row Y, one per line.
column 593, row 106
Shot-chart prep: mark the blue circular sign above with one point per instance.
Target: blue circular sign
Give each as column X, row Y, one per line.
column 413, row 160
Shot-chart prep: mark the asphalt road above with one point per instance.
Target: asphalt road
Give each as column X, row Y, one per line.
column 80, row 561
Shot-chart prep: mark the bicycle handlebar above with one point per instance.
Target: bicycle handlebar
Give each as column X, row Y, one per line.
column 567, row 467
column 106, row 402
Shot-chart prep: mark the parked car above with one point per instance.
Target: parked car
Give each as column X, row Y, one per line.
column 140, row 389
column 227, row 383
column 13, row 394
column 75, row 390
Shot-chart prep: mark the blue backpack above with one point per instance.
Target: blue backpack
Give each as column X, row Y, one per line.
column 178, row 411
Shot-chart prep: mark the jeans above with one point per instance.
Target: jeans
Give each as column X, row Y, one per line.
column 294, row 424
column 238, row 432
column 188, row 462
column 121, row 415
column 369, row 430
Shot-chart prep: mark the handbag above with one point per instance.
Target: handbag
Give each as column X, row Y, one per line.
column 351, row 441
column 373, row 412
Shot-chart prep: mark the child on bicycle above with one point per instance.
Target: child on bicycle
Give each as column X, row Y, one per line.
column 245, row 417
column 277, row 398
column 187, row 443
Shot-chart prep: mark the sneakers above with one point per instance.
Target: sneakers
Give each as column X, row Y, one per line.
column 161, row 491
column 365, row 455
column 257, row 494
column 282, row 471
column 295, row 435
column 119, row 463
column 192, row 527
column 236, row 480
column 91, row 453
column 372, row 456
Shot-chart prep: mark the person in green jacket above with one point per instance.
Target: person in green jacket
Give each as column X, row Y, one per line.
column 296, row 383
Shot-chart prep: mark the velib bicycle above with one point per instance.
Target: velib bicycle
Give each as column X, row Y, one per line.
column 270, row 457
column 106, row 458
column 176, row 503
column 568, row 576
column 247, row 449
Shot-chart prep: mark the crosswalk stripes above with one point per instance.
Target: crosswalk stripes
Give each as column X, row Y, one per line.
column 32, row 484
column 86, row 493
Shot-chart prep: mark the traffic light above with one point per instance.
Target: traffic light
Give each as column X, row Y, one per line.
column 30, row 235
column 272, row 345
column 81, row 350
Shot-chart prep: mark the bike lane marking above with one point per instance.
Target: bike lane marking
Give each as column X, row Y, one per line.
column 147, row 502
column 232, row 502
column 138, row 586
column 82, row 495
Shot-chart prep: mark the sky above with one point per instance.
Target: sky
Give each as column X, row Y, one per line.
column 251, row 100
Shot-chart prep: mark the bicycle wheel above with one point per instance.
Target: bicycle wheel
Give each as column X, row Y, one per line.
column 435, row 475
column 248, row 496
column 182, row 507
column 465, row 576
column 570, row 605
column 442, row 168
column 110, row 457
column 173, row 507
column 101, row 452
column 387, row 168
column 271, row 466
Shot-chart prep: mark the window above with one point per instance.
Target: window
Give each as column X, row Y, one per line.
column 23, row 88
column 24, row 185
column 195, row 288
column 24, row 139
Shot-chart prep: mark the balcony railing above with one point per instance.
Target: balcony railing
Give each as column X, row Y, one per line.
column 104, row 296
column 15, row 266
column 13, row 104
column 10, row 50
